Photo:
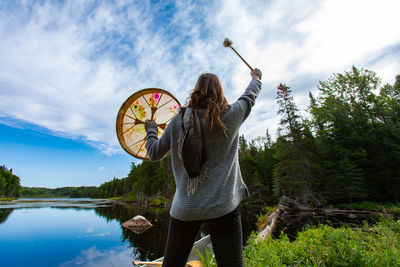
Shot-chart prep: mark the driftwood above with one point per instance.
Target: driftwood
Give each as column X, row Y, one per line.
column 295, row 205
column 285, row 204
column 290, row 205
column 330, row 211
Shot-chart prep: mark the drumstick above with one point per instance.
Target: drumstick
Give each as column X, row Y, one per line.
column 228, row 43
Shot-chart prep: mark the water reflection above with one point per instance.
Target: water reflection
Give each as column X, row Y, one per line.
column 151, row 244
column 84, row 233
column 148, row 245
column 118, row 256
column 4, row 215
column 50, row 236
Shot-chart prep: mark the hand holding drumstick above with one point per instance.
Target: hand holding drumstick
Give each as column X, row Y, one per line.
column 256, row 73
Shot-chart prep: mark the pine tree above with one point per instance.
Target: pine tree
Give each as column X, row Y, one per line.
column 293, row 173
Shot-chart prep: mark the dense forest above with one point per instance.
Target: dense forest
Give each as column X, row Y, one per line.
column 345, row 149
column 10, row 186
column 82, row 191
column 145, row 180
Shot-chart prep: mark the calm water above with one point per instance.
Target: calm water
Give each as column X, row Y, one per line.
column 83, row 232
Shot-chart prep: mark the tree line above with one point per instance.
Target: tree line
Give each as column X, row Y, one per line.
column 145, row 180
column 66, row 192
column 9, row 183
column 346, row 149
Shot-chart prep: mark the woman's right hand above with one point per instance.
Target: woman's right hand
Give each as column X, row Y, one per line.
column 147, row 124
column 256, row 73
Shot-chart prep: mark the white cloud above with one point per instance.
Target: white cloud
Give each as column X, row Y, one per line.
column 118, row 256
column 69, row 66
column 101, row 234
column 344, row 32
column 297, row 43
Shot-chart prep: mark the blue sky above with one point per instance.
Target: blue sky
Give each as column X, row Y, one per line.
column 67, row 66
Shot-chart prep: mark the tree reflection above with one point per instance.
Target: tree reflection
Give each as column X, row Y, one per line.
column 4, row 213
column 150, row 244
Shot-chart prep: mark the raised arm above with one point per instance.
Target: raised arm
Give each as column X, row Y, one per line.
column 248, row 99
column 156, row 148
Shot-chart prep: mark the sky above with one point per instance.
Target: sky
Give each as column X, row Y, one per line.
column 66, row 67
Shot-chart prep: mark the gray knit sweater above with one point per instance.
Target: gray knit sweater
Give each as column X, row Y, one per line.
column 223, row 189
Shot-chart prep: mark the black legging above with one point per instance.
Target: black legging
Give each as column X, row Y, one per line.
column 226, row 237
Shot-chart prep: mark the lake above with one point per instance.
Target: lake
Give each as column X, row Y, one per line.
column 85, row 232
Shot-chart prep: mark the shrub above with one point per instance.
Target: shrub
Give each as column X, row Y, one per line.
column 377, row 245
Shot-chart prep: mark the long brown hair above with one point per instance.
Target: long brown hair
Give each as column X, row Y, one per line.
column 209, row 95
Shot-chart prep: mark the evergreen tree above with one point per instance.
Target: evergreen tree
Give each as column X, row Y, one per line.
column 9, row 183
column 2, row 185
column 293, row 173
column 356, row 131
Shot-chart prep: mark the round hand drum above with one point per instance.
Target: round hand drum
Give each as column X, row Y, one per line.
column 147, row 104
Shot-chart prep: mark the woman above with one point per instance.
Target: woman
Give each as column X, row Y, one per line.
column 214, row 198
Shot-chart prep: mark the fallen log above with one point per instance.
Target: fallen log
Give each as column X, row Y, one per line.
column 288, row 205
column 271, row 222
column 294, row 205
column 329, row 211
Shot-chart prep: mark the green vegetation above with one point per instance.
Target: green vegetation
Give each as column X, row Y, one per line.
column 10, row 186
column 6, row 199
column 207, row 259
column 347, row 151
column 114, row 198
column 62, row 192
column 357, row 138
column 159, row 201
column 377, row 245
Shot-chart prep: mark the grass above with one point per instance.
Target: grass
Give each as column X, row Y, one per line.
column 376, row 245
column 114, row 198
column 207, row 259
column 6, row 199
column 159, row 201
column 129, row 199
